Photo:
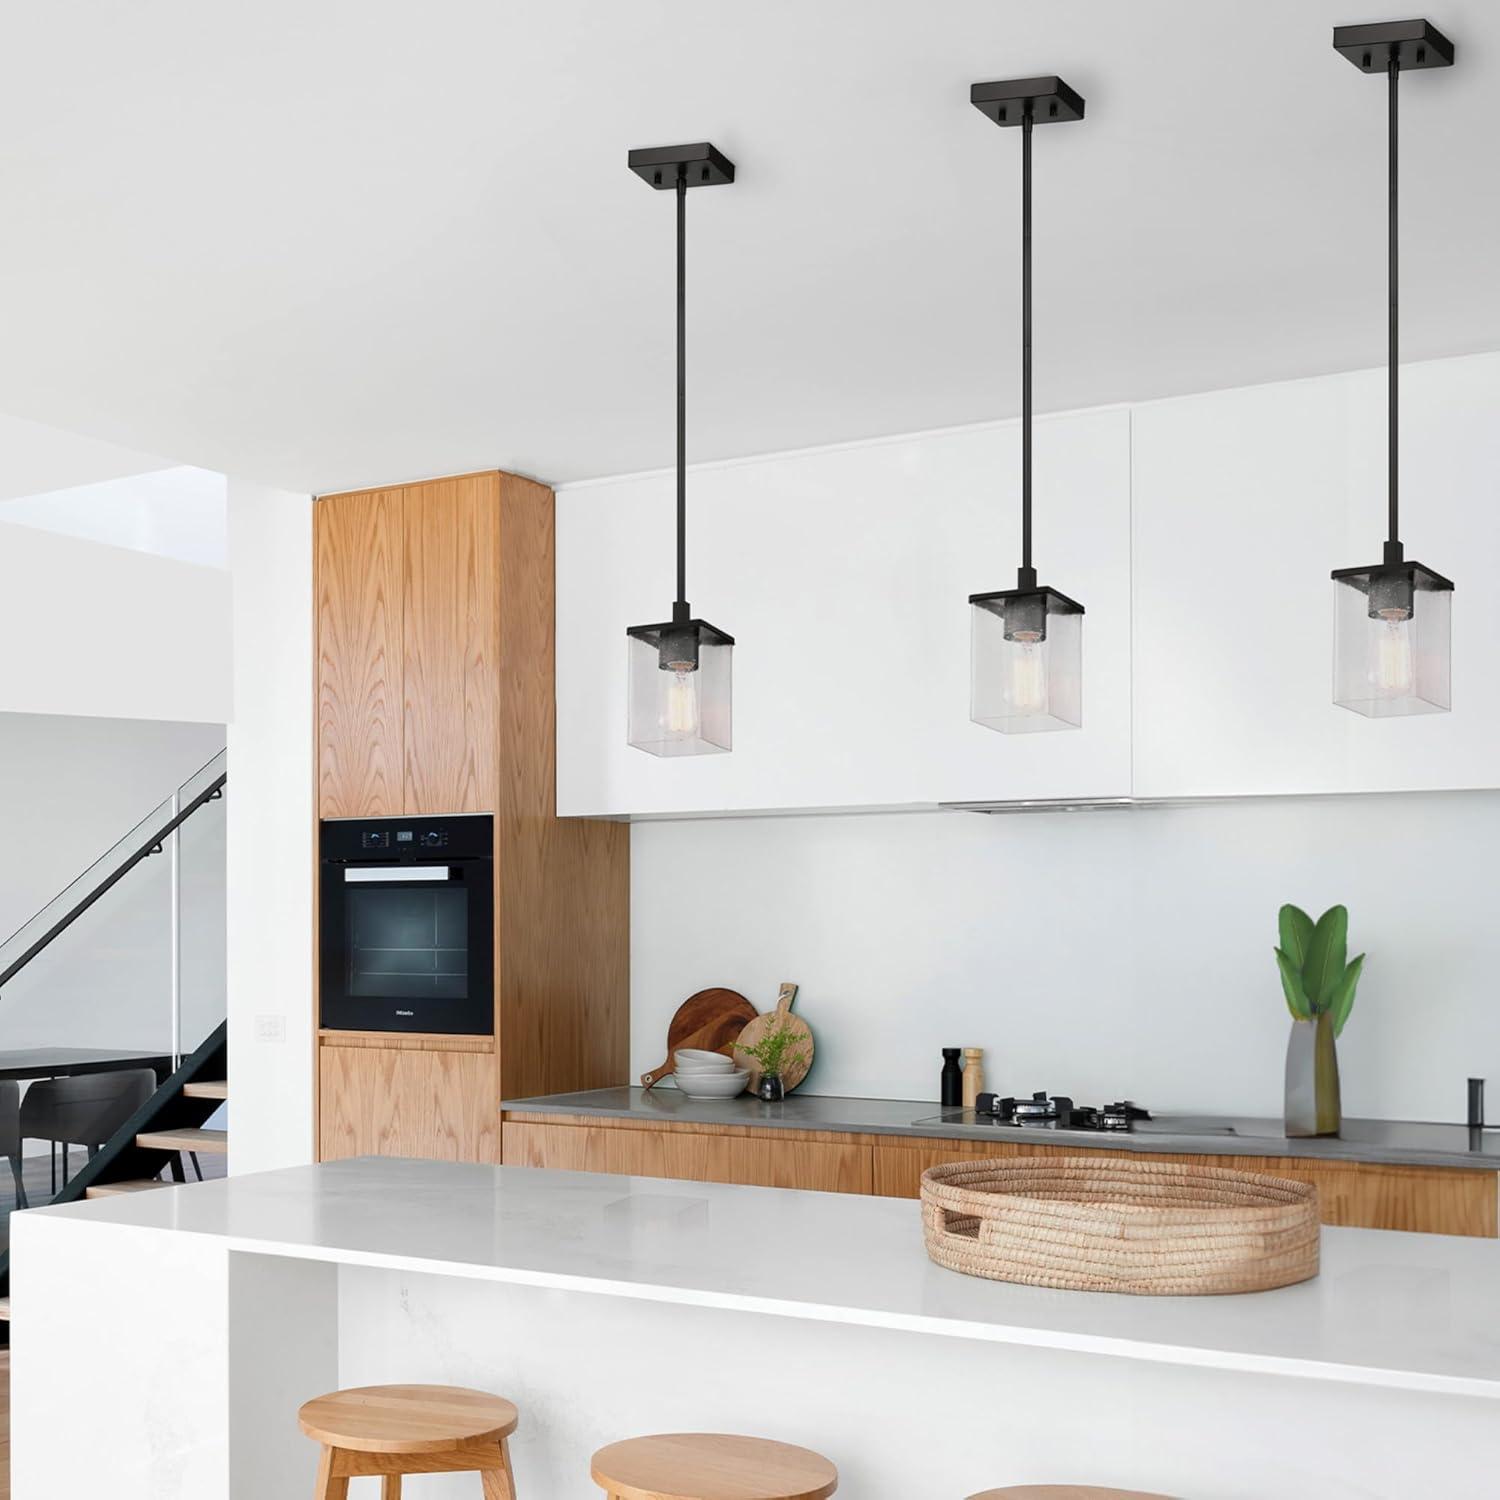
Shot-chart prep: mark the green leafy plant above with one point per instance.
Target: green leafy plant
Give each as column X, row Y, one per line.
column 1317, row 977
column 774, row 1051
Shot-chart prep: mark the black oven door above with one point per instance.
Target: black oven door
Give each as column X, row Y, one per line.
column 408, row 946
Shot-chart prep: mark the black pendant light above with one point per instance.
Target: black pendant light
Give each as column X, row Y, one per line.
column 680, row 671
column 1392, row 649
column 1026, row 650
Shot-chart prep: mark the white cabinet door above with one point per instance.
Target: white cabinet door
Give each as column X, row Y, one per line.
column 844, row 576
column 1243, row 503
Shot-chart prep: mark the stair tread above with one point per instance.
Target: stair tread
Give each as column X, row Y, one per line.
column 209, row 1089
column 131, row 1185
column 4, row 1309
column 185, row 1138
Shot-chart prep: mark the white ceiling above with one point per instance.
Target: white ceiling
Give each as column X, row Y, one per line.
column 360, row 241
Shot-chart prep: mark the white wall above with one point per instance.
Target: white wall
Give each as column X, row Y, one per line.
column 1100, row 954
column 92, row 629
column 271, row 823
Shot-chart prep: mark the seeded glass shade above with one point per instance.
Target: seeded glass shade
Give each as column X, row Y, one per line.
column 680, row 688
column 1026, row 661
column 1392, row 640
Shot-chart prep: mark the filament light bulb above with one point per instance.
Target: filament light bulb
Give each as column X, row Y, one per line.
column 1393, row 661
column 680, row 711
column 1028, row 673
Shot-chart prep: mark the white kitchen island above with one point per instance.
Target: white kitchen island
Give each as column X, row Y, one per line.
column 163, row 1341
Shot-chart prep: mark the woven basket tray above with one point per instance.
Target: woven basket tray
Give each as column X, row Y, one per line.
column 1089, row 1225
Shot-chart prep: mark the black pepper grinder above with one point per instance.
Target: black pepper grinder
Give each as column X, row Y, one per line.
column 953, row 1079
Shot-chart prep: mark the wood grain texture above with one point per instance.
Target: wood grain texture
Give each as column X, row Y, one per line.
column 562, row 897
column 398, row 1102
column 712, row 1466
column 450, row 641
column 462, row 583
column 707, row 1156
column 357, row 592
column 709, row 1021
column 1431, row 1200
column 793, row 1072
column 406, row 1418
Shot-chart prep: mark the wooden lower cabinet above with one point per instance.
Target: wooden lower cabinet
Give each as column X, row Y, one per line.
column 1433, row 1200
column 830, row 1165
column 429, row 1101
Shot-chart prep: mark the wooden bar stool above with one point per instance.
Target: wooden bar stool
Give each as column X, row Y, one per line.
column 1064, row 1492
column 711, row 1466
column 391, row 1430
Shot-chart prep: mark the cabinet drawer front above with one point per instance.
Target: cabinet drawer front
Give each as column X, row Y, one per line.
column 1431, row 1200
column 388, row 1101
column 830, row 1167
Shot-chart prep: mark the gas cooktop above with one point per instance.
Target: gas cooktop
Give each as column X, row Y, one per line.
column 1056, row 1112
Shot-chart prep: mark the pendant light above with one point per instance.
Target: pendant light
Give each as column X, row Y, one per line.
column 679, row 671
column 1392, row 643
column 1026, row 645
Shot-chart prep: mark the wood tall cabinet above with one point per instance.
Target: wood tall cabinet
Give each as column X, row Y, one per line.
column 435, row 695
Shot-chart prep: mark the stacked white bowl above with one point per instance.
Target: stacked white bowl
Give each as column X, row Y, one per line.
column 708, row 1075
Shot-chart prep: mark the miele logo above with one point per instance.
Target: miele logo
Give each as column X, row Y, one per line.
column 406, row 1012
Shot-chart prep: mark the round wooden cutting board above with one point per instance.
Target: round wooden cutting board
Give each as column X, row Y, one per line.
column 771, row 1020
column 711, row 1020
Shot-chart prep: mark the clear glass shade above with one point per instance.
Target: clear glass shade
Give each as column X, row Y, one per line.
column 1392, row 646
column 681, row 688
column 1026, row 662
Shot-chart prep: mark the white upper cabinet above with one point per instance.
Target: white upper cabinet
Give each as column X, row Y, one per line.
column 844, row 574
column 1243, row 502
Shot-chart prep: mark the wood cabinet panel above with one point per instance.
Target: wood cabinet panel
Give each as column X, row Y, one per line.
column 697, row 1157
column 357, row 540
column 397, row 1101
column 1433, row 1200
column 450, row 641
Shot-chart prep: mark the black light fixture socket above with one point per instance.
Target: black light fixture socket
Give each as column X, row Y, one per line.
column 700, row 165
column 1410, row 44
column 1391, row 588
column 1024, row 611
column 1048, row 100
column 678, row 642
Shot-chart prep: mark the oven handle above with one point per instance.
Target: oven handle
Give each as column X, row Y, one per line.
column 375, row 874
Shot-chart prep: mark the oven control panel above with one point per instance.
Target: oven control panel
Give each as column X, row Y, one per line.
column 355, row 840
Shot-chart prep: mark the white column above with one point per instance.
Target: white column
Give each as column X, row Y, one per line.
column 270, row 830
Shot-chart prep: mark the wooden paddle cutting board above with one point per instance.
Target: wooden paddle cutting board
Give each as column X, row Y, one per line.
column 711, row 1021
column 771, row 1020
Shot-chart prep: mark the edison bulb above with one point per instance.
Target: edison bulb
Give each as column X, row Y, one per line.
column 1393, row 662
column 1028, row 674
column 680, row 711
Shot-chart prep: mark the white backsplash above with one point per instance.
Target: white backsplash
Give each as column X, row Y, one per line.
column 1098, row 953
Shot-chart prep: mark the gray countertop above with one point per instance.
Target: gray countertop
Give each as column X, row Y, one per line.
column 1397, row 1142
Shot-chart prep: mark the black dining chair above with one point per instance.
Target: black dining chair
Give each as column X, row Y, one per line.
column 10, row 1133
column 85, row 1110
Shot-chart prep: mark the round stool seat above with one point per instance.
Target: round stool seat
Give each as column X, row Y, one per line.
column 712, row 1466
column 407, row 1418
column 1064, row 1492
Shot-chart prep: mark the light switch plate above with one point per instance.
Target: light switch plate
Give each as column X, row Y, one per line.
column 270, row 1028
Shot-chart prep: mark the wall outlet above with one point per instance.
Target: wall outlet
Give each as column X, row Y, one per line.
column 270, row 1028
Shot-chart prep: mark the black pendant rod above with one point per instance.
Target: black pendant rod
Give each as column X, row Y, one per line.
column 1027, row 573
column 1393, row 542
column 680, row 609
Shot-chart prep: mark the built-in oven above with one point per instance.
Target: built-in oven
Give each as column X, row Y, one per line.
column 406, row 938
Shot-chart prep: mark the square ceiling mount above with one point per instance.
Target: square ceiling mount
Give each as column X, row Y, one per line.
column 702, row 164
column 1414, row 44
column 1049, row 100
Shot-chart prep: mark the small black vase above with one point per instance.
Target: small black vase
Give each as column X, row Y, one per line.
column 769, row 1088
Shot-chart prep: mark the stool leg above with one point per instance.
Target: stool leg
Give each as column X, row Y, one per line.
column 329, row 1486
column 390, row 1487
column 500, row 1484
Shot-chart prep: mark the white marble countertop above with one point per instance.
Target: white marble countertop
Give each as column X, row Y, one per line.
column 1405, row 1311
